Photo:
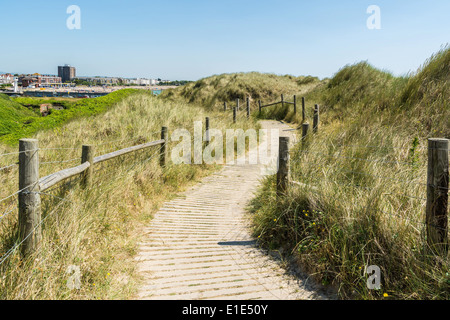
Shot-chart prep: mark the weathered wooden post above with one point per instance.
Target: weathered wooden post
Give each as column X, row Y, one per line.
column 260, row 108
column 316, row 119
column 295, row 104
column 437, row 196
column 283, row 166
column 234, row 115
column 303, row 110
column 282, row 100
column 248, row 108
column 163, row 156
column 305, row 129
column 237, row 103
column 224, row 106
column 207, row 138
column 30, row 231
column 87, row 155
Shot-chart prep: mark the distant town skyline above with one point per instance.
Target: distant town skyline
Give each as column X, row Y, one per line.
column 189, row 40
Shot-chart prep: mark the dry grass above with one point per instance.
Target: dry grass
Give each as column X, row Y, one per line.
column 213, row 91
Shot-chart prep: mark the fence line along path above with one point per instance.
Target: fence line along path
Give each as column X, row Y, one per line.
column 199, row 245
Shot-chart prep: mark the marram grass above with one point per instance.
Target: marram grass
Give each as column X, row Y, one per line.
column 364, row 176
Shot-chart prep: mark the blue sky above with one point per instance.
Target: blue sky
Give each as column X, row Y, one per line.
column 192, row 39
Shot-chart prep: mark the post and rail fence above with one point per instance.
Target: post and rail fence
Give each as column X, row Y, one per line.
column 282, row 101
column 31, row 185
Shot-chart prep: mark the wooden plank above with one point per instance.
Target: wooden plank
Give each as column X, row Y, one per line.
column 127, row 150
column 271, row 104
column 52, row 179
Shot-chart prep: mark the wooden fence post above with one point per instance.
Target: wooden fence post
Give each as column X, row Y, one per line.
column 248, row 108
column 237, row 103
column 303, row 109
column 30, row 231
column 295, row 104
column 282, row 100
column 283, row 166
column 305, row 129
column 224, row 106
column 437, row 196
column 207, row 138
column 87, row 155
column 316, row 119
column 164, row 147
column 234, row 115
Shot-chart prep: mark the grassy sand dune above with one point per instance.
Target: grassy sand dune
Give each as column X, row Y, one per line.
column 213, row 91
column 368, row 163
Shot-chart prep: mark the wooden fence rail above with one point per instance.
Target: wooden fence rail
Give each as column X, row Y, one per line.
column 31, row 185
column 283, row 102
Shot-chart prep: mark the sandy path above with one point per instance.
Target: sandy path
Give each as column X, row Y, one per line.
column 199, row 246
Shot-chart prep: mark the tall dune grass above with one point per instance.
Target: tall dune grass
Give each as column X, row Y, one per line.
column 364, row 176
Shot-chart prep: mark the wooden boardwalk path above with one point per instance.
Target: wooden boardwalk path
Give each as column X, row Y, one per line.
column 199, row 246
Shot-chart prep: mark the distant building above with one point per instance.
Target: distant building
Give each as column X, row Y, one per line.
column 29, row 81
column 139, row 81
column 37, row 80
column 49, row 80
column 6, row 78
column 66, row 73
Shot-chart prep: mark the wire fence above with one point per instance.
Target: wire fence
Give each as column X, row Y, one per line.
column 319, row 179
column 68, row 183
column 9, row 204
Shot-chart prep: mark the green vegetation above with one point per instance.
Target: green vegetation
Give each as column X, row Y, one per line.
column 21, row 123
column 368, row 163
column 13, row 115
